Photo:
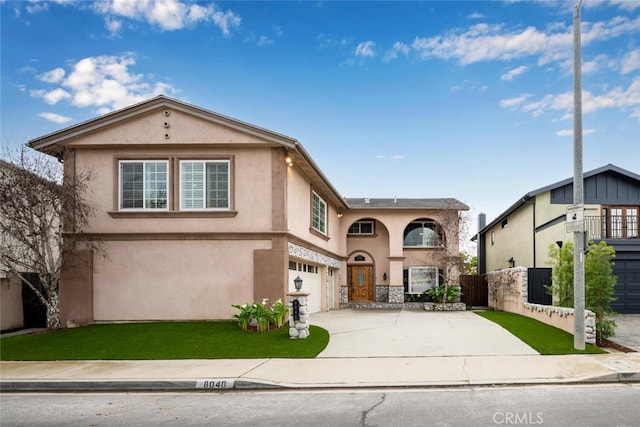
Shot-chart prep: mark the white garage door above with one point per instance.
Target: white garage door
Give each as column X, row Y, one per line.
column 310, row 275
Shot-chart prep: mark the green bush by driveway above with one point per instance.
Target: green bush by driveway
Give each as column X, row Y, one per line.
column 162, row 340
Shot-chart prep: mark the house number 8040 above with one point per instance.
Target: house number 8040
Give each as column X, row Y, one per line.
column 214, row 384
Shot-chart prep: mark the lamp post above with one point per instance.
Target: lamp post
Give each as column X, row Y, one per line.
column 578, row 196
column 297, row 283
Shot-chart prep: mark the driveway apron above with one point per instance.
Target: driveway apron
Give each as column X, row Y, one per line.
column 405, row 333
column 627, row 331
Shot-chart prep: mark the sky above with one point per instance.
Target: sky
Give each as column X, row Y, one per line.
column 464, row 99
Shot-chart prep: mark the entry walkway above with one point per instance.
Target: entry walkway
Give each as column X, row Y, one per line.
column 406, row 333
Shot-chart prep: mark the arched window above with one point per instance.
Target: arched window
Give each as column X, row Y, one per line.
column 423, row 233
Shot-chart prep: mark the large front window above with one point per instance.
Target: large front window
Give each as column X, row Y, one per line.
column 421, row 279
column 423, row 234
column 318, row 213
column 204, row 185
column 144, row 184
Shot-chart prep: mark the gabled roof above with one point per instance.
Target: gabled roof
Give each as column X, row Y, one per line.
column 395, row 203
column 53, row 143
column 48, row 143
column 526, row 197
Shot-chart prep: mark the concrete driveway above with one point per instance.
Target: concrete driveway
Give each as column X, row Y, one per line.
column 404, row 333
column 627, row 331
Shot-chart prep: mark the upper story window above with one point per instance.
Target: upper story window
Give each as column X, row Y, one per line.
column 318, row 213
column 363, row 227
column 204, row 184
column 144, row 184
column 423, row 233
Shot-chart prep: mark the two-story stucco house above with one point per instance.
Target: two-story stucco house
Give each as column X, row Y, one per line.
column 196, row 211
column 521, row 235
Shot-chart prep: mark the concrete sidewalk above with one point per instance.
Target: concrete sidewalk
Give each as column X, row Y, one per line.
column 317, row 373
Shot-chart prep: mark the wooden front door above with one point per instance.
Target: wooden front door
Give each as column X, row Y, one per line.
column 360, row 285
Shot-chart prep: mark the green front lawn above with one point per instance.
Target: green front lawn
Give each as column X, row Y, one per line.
column 541, row 337
column 162, row 340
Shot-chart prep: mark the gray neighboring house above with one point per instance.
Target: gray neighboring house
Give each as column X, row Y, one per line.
column 521, row 235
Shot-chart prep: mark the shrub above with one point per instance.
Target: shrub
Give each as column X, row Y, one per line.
column 444, row 293
column 265, row 318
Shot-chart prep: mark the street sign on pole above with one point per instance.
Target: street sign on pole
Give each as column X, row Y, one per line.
column 575, row 219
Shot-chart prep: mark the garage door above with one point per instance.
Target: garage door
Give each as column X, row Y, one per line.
column 627, row 290
column 311, row 282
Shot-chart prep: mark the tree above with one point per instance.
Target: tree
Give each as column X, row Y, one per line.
column 599, row 282
column 561, row 288
column 36, row 206
column 468, row 264
column 599, row 287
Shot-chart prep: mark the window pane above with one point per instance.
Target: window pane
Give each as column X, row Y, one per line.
column 132, row 185
column 319, row 213
column 218, row 185
column 143, row 185
column 422, row 234
column 192, row 185
column 155, row 185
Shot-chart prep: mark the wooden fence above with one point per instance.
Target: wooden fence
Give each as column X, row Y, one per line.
column 475, row 291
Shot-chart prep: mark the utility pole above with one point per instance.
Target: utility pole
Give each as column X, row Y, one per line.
column 578, row 194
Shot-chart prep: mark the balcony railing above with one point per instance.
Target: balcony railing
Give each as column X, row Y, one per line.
column 611, row 227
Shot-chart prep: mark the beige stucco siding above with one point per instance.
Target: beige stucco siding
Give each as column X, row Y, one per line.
column 164, row 280
column 516, row 240
column 250, row 186
column 299, row 193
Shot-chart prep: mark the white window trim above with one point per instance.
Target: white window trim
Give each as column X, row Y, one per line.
column 228, row 162
column 142, row 209
column 326, row 213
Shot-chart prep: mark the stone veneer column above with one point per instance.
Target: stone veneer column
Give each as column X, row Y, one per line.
column 299, row 328
column 396, row 279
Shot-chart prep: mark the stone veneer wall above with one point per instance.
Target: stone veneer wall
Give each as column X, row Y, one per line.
column 382, row 293
column 396, row 294
column 508, row 291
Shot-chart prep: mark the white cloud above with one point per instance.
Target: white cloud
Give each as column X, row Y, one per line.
column 595, row 65
column 513, row 102
column 631, row 61
column 618, row 97
column 168, row 15
column 511, row 74
column 365, row 49
column 53, row 76
column 569, row 132
column 398, row 48
column 476, row 15
column 264, row 40
column 113, row 25
column 55, row 118
column 394, row 157
column 622, row 4
column 104, row 83
column 483, row 42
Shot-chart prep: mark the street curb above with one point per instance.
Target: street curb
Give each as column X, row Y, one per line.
column 241, row 384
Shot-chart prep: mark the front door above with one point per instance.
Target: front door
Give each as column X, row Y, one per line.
column 360, row 286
